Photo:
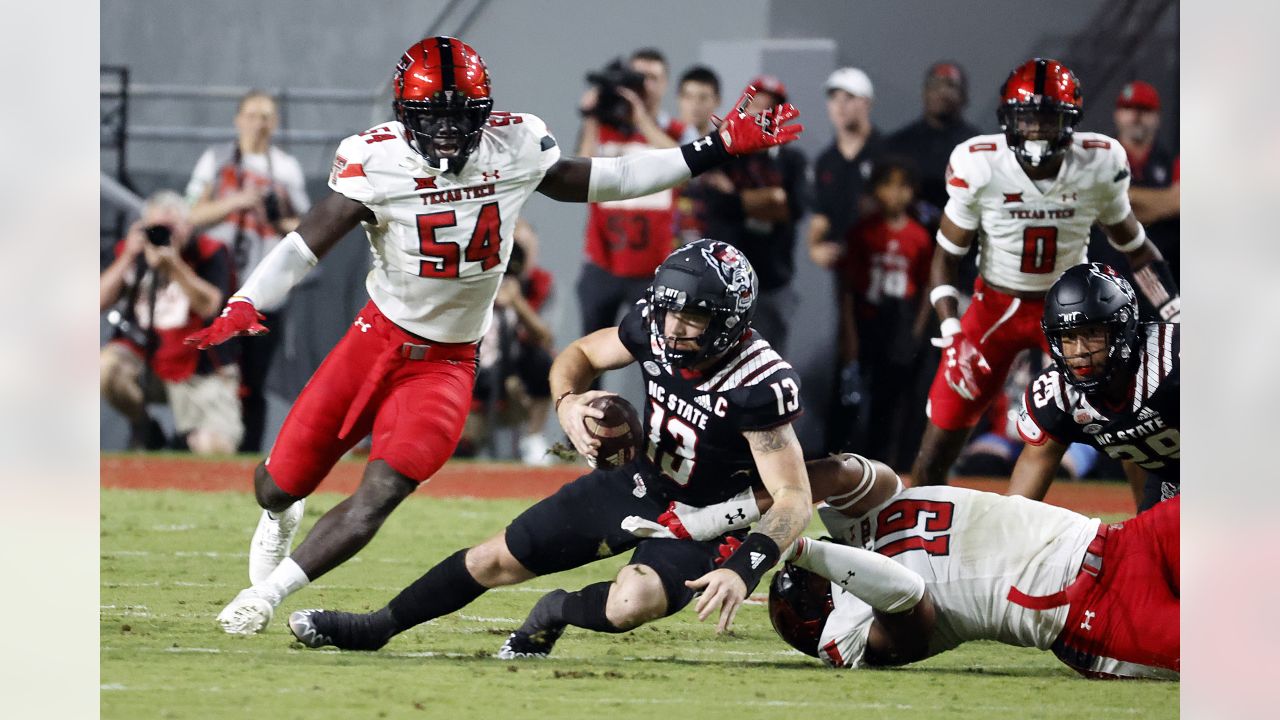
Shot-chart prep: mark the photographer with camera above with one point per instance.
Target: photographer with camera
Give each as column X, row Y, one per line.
column 248, row 194
column 626, row 240
column 164, row 284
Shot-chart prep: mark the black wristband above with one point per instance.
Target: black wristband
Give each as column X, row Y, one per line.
column 705, row 153
column 753, row 559
column 1156, row 285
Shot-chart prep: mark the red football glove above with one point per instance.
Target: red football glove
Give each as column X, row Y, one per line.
column 965, row 369
column 743, row 134
column 671, row 521
column 239, row 317
column 727, row 549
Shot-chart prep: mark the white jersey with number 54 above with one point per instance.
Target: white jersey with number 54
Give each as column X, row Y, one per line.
column 1028, row 234
column 970, row 547
column 441, row 240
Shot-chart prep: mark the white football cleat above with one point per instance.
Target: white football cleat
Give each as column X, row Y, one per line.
column 247, row 614
column 272, row 541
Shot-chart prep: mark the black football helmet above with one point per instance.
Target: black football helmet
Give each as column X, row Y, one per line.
column 799, row 603
column 708, row 276
column 1092, row 294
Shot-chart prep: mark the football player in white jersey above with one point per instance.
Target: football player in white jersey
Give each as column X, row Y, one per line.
column 1028, row 197
column 918, row 571
column 438, row 192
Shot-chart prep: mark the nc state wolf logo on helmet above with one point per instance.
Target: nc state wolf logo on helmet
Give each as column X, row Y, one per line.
column 737, row 274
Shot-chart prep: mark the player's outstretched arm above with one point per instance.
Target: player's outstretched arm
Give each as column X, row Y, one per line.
column 780, row 462
column 601, row 179
column 287, row 263
column 572, row 373
column 1034, row 471
column 1150, row 271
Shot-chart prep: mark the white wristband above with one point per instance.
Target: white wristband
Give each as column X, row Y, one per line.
column 950, row 327
column 1133, row 244
column 943, row 291
column 287, row 263
column 949, row 246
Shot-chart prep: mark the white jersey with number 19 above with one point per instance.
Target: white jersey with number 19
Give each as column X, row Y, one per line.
column 441, row 240
column 970, row 547
column 1031, row 233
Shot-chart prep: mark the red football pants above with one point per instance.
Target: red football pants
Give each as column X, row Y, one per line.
column 414, row 408
column 1125, row 622
column 1000, row 326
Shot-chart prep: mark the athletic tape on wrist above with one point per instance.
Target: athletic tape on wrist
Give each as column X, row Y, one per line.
column 1137, row 241
column 950, row 247
column 753, row 559
column 943, row 291
column 705, row 153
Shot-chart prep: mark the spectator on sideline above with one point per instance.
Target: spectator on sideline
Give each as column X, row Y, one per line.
column 247, row 194
column 164, row 284
column 626, row 240
column 515, row 357
column 842, row 170
column 884, row 316
column 698, row 97
column 1154, row 189
column 754, row 204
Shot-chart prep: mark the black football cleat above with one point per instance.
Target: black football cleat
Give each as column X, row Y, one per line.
column 344, row 630
column 540, row 631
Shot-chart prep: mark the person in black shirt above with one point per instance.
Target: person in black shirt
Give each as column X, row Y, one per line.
column 841, row 172
column 717, row 418
column 1114, row 385
column 929, row 140
column 1154, row 185
column 753, row 204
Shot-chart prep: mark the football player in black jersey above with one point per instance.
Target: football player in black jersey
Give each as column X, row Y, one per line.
column 720, row 403
column 1114, row 384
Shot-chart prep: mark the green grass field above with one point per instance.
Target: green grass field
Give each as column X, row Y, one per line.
column 171, row 560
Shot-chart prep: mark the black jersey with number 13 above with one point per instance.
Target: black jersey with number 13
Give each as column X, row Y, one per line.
column 694, row 421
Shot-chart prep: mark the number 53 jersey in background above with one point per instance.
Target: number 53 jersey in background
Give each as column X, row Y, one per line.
column 694, row 422
column 1143, row 431
column 441, row 240
column 970, row 547
column 1032, row 234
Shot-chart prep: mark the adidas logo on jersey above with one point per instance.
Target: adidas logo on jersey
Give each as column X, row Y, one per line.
column 1146, row 413
column 756, row 559
column 703, row 401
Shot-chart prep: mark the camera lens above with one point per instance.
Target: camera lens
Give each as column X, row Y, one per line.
column 159, row 235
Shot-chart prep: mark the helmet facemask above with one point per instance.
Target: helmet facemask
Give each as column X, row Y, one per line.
column 1038, row 132
column 444, row 130
column 1118, row 354
column 712, row 342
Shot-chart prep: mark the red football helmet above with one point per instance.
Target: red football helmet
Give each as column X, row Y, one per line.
column 799, row 603
column 1040, row 104
column 441, row 90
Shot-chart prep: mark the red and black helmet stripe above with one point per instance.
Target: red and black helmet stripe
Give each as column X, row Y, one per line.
column 448, row 68
column 1042, row 69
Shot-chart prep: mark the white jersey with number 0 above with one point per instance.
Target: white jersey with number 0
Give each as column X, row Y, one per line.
column 441, row 240
column 970, row 547
column 1028, row 234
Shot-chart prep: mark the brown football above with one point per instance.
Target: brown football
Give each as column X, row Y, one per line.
column 619, row 431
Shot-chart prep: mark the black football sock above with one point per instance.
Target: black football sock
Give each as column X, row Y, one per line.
column 584, row 609
column 445, row 588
